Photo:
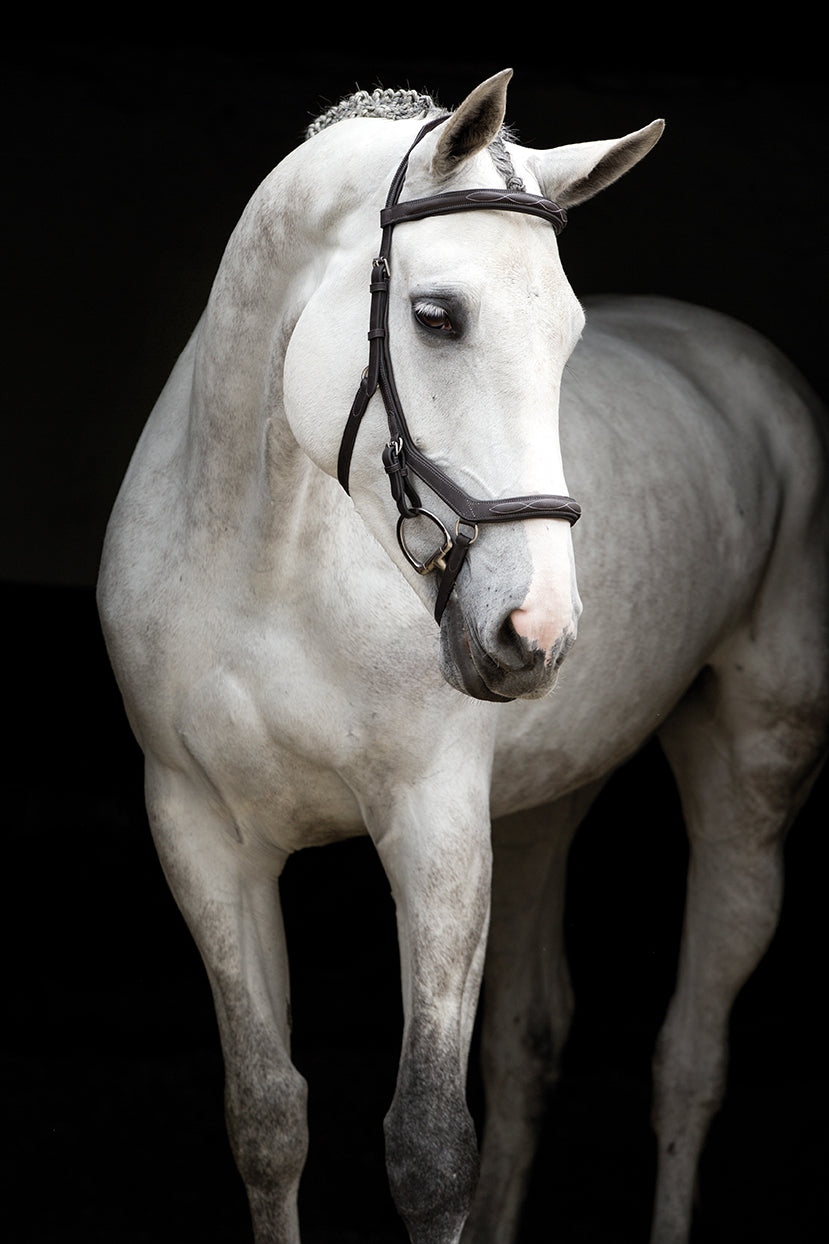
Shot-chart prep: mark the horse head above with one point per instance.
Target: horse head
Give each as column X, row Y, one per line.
column 475, row 310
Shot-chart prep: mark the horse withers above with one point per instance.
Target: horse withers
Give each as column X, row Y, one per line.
column 368, row 431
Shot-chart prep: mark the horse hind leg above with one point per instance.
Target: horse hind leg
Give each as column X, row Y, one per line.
column 527, row 1005
column 235, row 918
column 745, row 746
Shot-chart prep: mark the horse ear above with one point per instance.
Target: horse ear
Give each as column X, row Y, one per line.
column 473, row 125
column 570, row 175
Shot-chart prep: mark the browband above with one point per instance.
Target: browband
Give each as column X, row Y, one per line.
column 470, row 200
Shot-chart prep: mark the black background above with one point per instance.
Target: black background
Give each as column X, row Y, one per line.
column 128, row 160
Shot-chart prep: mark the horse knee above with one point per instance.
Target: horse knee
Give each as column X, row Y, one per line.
column 690, row 1065
column 433, row 1171
column 521, row 1058
column 266, row 1112
column 431, row 1155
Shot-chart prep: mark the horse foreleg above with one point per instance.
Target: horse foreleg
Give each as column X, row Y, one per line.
column 743, row 764
column 234, row 914
column 435, row 848
column 527, row 1004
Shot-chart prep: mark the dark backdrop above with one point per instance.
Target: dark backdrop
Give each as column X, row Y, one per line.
column 128, row 162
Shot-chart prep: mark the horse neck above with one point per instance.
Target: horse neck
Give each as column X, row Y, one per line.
column 243, row 465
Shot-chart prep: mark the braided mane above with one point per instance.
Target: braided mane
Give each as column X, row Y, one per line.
column 399, row 105
column 388, row 104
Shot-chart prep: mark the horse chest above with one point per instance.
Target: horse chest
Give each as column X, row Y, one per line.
column 289, row 739
column 263, row 742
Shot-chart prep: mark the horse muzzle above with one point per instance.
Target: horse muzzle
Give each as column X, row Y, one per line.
column 501, row 665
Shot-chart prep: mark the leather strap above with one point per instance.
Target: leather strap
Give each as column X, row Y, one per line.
column 457, row 556
column 471, row 200
column 505, row 509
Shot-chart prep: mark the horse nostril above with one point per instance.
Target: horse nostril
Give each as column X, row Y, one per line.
column 526, row 632
column 505, row 648
column 541, row 631
column 518, row 636
column 563, row 646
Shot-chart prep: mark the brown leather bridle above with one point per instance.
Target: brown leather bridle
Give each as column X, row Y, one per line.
column 401, row 457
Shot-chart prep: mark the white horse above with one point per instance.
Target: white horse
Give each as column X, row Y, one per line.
column 284, row 675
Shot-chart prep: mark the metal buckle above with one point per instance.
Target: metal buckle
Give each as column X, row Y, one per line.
column 466, row 523
column 437, row 558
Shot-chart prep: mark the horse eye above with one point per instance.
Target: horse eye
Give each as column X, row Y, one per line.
column 433, row 317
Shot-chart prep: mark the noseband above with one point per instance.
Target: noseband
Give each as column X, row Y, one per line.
column 401, row 457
